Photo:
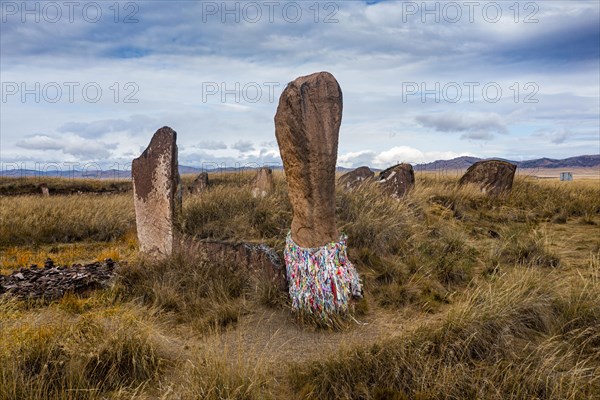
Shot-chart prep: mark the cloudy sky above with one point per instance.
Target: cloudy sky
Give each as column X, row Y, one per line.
column 90, row 82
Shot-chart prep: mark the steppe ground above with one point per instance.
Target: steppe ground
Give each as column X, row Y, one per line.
column 466, row 297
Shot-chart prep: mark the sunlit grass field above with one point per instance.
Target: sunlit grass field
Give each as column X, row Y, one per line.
column 466, row 297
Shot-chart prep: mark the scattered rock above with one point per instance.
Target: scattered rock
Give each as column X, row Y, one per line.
column 262, row 184
column 200, row 183
column 307, row 126
column 353, row 179
column 493, row 177
column 156, row 193
column 45, row 190
column 53, row 282
column 396, row 181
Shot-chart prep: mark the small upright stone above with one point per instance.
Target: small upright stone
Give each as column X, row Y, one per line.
column 200, row 183
column 307, row 125
column 398, row 180
column 155, row 193
column 262, row 184
column 45, row 190
column 493, row 177
column 353, row 179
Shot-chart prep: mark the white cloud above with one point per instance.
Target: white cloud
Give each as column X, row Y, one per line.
column 395, row 155
column 473, row 126
column 243, row 146
column 355, row 159
column 371, row 51
column 411, row 155
column 83, row 148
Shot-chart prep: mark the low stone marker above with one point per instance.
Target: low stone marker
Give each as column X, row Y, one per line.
column 200, row 184
column 156, row 193
column 493, row 177
column 45, row 190
column 259, row 260
column 262, row 184
column 321, row 279
column 396, row 181
column 353, row 179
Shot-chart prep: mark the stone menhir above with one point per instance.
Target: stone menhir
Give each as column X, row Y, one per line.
column 353, row 179
column 321, row 279
column 493, row 177
column 262, row 184
column 156, row 193
column 45, row 190
column 200, row 184
column 396, row 181
column 307, row 125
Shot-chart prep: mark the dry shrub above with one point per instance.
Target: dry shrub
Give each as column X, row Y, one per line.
column 215, row 373
column 208, row 295
column 523, row 246
column 230, row 212
column 53, row 355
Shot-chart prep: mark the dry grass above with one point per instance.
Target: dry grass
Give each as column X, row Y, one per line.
column 30, row 220
column 466, row 297
column 185, row 286
column 31, row 185
column 57, row 353
column 523, row 335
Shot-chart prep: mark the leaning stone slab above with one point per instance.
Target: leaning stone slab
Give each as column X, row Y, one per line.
column 396, row 181
column 156, row 193
column 262, row 184
column 353, row 179
column 493, row 177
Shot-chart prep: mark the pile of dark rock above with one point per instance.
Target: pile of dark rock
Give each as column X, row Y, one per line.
column 52, row 282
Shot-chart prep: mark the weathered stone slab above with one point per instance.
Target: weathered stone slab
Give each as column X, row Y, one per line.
column 307, row 125
column 200, row 184
column 258, row 259
column 156, row 193
column 493, row 177
column 396, row 181
column 262, row 184
column 353, row 179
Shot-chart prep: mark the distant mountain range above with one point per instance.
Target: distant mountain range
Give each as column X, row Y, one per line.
column 585, row 161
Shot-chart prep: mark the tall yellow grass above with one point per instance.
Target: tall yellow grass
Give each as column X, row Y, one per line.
column 466, row 297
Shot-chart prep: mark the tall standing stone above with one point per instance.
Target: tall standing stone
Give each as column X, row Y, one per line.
column 321, row 278
column 493, row 177
column 307, row 126
column 396, row 181
column 262, row 184
column 156, row 193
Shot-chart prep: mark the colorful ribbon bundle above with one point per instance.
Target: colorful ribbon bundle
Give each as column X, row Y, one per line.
column 321, row 280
